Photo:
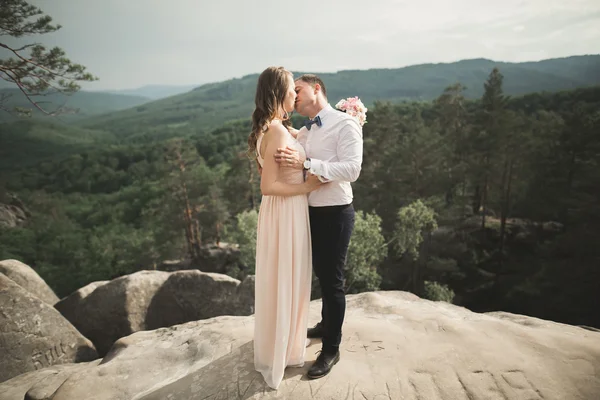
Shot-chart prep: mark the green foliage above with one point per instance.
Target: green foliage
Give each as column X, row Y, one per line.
column 75, row 106
column 17, row 243
column 539, row 154
column 366, row 251
column 436, row 291
column 105, row 204
column 404, row 156
column 112, row 211
column 243, row 232
column 413, row 222
column 75, row 239
column 27, row 143
column 222, row 145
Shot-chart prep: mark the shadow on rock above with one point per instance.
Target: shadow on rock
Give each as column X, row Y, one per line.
column 230, row 377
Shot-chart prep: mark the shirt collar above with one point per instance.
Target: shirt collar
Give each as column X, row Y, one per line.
column 326, row 110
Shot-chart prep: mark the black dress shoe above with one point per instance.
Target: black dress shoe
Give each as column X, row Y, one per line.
column 316, row 332
column 323, row 365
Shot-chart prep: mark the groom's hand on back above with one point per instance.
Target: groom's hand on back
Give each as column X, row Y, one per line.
column 290, row 158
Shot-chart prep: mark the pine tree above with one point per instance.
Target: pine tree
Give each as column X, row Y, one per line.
column 35, row 70
column 180, row 158
column 452, row 123
column 492, row 124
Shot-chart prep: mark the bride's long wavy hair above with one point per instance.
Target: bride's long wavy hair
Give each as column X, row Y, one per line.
column 271, row 90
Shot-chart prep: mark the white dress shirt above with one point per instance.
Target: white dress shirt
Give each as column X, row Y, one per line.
column 335, row 150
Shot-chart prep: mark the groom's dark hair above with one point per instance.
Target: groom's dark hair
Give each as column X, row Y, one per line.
column 312, row 80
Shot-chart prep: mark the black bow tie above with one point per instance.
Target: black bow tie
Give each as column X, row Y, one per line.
column 308, row 123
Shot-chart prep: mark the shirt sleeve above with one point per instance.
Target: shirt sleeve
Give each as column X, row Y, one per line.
column 349, row 154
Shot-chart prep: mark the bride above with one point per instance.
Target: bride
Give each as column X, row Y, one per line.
column 283, row 245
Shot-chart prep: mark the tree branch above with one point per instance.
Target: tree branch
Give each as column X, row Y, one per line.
column 35, row 104
column 40, row 71
column 27, row 60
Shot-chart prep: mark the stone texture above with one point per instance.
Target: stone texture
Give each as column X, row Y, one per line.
column 116, row 309
column 41, row 384
column 12, row 212
column 34, row 335
column 395, row 346
column 193, row 295
column 28, row 279
column 152, row 299
column 70, row 306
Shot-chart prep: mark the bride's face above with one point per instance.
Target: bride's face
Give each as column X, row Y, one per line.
column 290, row 96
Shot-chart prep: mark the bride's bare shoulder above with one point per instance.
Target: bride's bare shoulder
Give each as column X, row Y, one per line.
column 275, row 131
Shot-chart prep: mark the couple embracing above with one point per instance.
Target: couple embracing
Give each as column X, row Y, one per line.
column 305, row 220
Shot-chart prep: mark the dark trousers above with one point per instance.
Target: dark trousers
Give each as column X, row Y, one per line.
column 331, row 228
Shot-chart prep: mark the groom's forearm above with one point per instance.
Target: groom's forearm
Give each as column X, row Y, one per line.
column 345, row 171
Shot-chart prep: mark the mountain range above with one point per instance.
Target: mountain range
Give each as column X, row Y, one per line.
column 121, row 117
column 209, row 106
column 154, row 92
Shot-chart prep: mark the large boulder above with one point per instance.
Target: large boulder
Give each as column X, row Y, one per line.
column 193, row 295
column 34, row 335
column 395, row 346
column 70, row 306
column 153, row 299
column 28, row 279
column 113, row 310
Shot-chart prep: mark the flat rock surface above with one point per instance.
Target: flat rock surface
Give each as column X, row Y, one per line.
column 395, row 346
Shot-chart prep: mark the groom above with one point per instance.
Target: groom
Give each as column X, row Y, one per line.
column 334, row 147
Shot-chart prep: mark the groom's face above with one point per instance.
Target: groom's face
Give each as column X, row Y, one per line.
column 306, row 97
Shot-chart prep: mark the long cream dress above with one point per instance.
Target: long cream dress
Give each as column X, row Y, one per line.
column 283, row 278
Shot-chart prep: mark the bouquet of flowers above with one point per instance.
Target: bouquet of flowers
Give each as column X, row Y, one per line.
column 355, row 108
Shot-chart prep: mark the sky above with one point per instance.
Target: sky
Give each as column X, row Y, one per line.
column 132, row 43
